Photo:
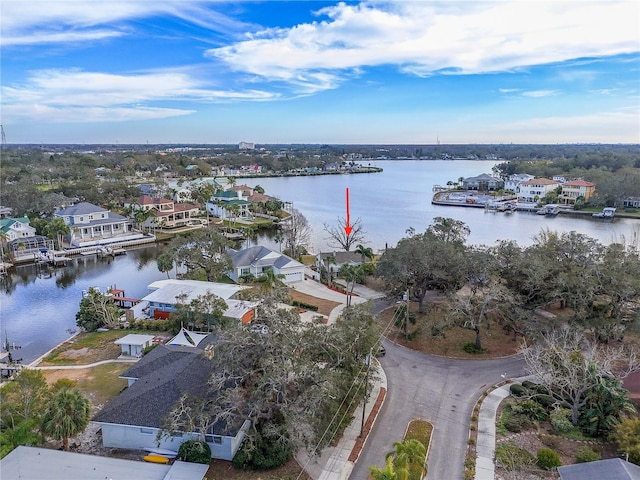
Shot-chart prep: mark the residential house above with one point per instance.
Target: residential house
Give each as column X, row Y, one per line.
column 513, row 182
column 168, row 214
column 22, row 242
column 134, row 419
column 609, row 469
column 632, row 202
column 482, row 183
column 337, row 260
column 574, row 189
column 246, row 146
column 5, row 212
column 223, row 204
column 535, row 189
column 167, row 294
column 93, row 225
column 16, row 228
column 258, row 259
column 37, row 463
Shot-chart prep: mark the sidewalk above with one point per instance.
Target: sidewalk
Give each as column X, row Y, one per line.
column 336, row 463
column 486, row 442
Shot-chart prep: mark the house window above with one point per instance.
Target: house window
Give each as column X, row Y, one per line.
column 147, row 431
column 217, row 439
column 245, row 271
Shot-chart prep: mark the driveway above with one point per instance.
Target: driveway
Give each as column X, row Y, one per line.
column 440, row 390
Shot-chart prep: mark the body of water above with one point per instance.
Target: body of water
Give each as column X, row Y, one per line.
column 390, row 202
column 38, row 307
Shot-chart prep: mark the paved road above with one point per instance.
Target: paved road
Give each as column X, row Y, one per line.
column 441, row 390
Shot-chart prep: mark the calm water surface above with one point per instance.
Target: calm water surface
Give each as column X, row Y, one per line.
column 37, row 308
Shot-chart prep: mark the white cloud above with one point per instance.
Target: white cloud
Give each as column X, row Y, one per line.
column 62, row 21
column 539, row 93
column 74, row 95
column 427, row 37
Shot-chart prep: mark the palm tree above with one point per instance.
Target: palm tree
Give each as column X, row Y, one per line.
column 22, row 433
column 408, row 459
column 328, row 261
column 365, row 252
column 388, row 473
column 66, row 415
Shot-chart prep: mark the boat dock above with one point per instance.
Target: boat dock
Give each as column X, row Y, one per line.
column 122, row 301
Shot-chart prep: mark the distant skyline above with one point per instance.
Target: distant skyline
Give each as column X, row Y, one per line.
column 280, row 72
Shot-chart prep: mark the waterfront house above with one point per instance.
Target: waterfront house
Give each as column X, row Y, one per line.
column 229, row 203
column 574, row 189
column 482, row 183
column 16, row 228
column 167, row 294
column 22, row 242
column 36, row 463
column 535, row 189
column 165, row 213
column 631, row 202
column 258, row 259
column 93, row 225
column 134, row 419
column 513, row 182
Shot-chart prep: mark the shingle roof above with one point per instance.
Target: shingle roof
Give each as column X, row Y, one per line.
column 163, row 376
column 261, row 257
column 82, row 208
column 610, row 469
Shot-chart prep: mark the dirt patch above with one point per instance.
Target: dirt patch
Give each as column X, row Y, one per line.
column 74, row 353
column 496, row 342
column 324, row 306
column 222, row 470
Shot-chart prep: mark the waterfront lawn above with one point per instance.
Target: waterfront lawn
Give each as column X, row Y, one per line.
column 99, row 384
column 90, row 347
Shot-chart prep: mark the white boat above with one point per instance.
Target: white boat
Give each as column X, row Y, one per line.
column 607, row 212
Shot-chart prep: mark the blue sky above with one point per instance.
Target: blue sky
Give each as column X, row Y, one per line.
column 192, row 71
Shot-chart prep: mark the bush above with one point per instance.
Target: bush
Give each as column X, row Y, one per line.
column 548, row 459
column 511, row 457
column 586, row 454
column 518, row 390
column 560, row 420
column 266, row 452
column 549, row 440
column 470, row 347
column 194, row 451
column 304, row 305
column 517, row 422
column 546, row 401
column 530, row 409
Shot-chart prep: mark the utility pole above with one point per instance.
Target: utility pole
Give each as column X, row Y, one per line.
column 364, row 398
column 4, row 137
column 406, row 314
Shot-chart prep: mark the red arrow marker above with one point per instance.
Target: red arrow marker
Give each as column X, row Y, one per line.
column 347, row 228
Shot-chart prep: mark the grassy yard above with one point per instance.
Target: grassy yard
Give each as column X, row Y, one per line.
column 90, row 347
column 99, row 384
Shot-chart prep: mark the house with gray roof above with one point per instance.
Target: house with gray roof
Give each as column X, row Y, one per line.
column 258, row 259
column 93, row 225
column 610, row 469
column 134, row 419
column 482, row 183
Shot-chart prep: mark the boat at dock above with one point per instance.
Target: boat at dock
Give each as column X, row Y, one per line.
column 550, row 210
column 607, row 212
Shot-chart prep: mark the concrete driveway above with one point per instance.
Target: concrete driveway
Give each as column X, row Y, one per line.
column 440, row 390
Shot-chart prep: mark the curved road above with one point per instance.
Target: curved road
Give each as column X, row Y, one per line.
column 440, row 390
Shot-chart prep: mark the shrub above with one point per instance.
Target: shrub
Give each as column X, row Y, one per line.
column 548, row 459
column 266, row 452
column 560, row 420
column 511, row 457
column 470, row 347
column 549, row 440
column 517, row 422
column 546, row 401
column 530, row 409
column 518, row 390
column 304, row 305
column 194, row 451
column 586, row 454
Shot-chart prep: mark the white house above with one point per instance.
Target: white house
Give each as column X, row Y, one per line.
column 513, row 181
column 168, row 293
column 15, row 228
column 536, row 189
column 134, row 418
column 93, row 225
column 258, row 259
